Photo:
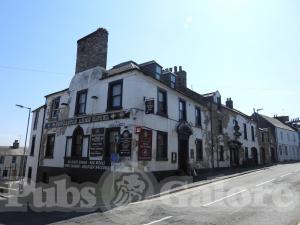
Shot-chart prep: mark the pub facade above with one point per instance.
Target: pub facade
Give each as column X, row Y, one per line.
column 132, row 116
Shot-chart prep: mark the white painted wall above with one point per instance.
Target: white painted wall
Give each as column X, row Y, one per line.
column 287, row 139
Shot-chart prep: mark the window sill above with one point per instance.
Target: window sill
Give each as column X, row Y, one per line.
column 48, row 157
column 162, row 115
column 114, row 109
column 79, row 114
column 162, row 159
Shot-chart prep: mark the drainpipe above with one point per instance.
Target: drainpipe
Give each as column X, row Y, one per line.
column 41, row 141
column 212, row 138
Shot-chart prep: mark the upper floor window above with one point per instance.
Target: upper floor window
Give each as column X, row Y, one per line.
column 182, row 110
column 199, row 150
column 32, row 146
column 77, row 142
column 219, row 102
column 245, row 132
column 161, row 146
column 220, row 126
column 162, row 106
column 55, row 108
column 36, row 119
column 81, row 102
column 198, row 117
column 50, row 145
column 14, row 159
column 157, row 72
column 115, row 90
column 2, row 159
column 173, row 81
column 263, row 137
column 252, row 133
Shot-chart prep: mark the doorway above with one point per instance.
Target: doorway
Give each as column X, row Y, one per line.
column 183, row 154
column 234, row 157
column 112, row 142
column 254, row 155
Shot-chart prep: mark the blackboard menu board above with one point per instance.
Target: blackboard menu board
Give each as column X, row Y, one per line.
column 149, row 106
column 97, row 142
column 145, row 145
column 125, row 144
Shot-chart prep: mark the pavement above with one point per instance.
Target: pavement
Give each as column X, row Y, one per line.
column 261, row 197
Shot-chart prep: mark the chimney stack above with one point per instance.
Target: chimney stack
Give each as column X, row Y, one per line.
column 229, row 103
column 16, row 144
column 92, row 50
column 180, row 78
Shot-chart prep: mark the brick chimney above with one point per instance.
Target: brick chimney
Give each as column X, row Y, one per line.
column 180, row 78
column 229, row 103
column 92, row 50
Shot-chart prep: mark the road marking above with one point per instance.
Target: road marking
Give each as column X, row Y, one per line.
column 210, row 203
column 284, row 175
column 264, row 182
column 157, row 221
column 297, row 170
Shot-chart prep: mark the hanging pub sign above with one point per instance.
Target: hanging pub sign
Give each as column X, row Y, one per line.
column 149, row 106
column 125, row 144
column 145, row 145
column 97, row 142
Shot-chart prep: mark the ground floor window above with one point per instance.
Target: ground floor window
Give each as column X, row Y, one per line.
column 221, row 152
column 5, row 173
column 199, row 149
column 161, row 146
column 29, row 174
column 246, row 153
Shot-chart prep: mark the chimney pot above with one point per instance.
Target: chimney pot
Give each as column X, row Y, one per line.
column 180, row 68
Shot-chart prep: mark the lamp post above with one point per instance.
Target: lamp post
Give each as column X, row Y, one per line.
column 24, row 150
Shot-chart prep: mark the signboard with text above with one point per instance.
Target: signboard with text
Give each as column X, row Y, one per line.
column 97, row 142
column 125, row 144
column 145, row 145
column 149, row 106
column 87, row 164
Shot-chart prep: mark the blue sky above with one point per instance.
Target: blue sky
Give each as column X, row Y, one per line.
column 248, row 50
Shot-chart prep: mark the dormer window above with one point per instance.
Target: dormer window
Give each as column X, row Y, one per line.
column 157, row 72
column 173, row 81
column 55, row 108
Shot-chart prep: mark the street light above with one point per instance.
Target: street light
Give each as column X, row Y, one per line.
column 24, row 150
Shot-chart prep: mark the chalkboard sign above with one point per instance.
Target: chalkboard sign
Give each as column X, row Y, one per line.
column 145, row 145
column 97, row 142
column 149, row 106
column 125, row 144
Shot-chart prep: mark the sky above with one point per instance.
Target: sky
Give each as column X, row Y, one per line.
column 249, row 50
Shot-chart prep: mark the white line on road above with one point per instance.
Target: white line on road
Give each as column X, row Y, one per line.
column 264, row 182
column 210, row 203
column 284, row 175
column 157, row 221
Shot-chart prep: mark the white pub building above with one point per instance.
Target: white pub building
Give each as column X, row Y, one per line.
column 134, row 116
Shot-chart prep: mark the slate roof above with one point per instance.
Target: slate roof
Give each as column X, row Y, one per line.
column 276, row 123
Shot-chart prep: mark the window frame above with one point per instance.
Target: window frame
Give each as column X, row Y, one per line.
column 165, row 138
column 184, row 110
column 36, row 119
column 77, row 106
column 56, row 110
column 49, row 152
column 199, row 149
column 220, row 126
column 14, row 159
column 252, row 133
column 198, row 119
column 110, row 95
column 165, row 102
column 74, row 135
column 33, row 140
column 245, row 131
